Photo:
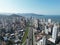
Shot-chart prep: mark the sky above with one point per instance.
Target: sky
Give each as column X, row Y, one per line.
column 46, row 7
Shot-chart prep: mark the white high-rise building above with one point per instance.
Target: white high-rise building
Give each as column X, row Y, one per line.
column 46, row 30
column 35, row 23
column 55, row 32
column 49, row 29
column 42, row 41
column 49, row 20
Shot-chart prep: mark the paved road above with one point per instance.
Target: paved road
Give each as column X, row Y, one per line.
column 30, row 36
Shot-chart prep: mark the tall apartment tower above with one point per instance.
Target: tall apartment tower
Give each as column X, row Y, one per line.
column 54, row 35
column 55, row 32
column 42, row 41
column 35, row 23
column 49, row 20
column 46, row 30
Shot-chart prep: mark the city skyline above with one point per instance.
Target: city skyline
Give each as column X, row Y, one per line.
column 46, row 7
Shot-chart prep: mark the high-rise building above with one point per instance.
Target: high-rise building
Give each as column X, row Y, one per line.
column 49, row 20
column 49, row 29
column 55, row 32
column 46, row 30
column 42, row 41
column 35, row 23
